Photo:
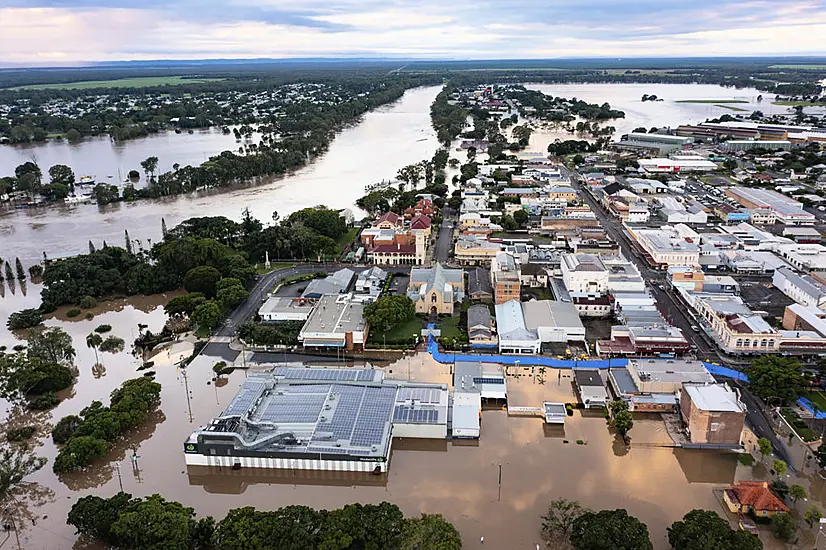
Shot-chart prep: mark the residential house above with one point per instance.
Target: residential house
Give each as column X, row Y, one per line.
column 591, row 388
column 534, row 275
column 371, row 281
column 755, row 498
column 480, row 327
column 479, row 286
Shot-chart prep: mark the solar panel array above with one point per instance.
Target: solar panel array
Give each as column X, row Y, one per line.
column 309, row 388
column 483, row 380
column 248, row 394
column 333, row 375
column 302, row 407
column 373, row 416
column 423, row 395
column 409, row 415
column 349, row 398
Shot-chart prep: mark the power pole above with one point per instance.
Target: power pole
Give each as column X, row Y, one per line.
column 186, row 386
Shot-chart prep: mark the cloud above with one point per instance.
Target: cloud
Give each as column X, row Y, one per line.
column 93, row 30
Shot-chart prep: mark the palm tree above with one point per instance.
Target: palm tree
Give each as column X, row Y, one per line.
column 94, row 341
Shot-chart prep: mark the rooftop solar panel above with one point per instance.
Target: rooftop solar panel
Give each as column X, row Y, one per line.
column 483, row 380
column 333, row 375
column 248, row 394
column 409, row 415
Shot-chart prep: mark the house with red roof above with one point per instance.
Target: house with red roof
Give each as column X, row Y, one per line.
column 389, row 220
column 755, row 498
column 420, row 223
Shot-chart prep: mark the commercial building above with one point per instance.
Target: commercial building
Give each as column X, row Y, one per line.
column 803, row 235
column 434, row 290
column 803, row 289
column 337, row 283
column 734, row 327
column 654, row 385
column 584, row 273
column 665, row 246
column 590, row 387
column 505, row 277
column 336, row 321
column 514, row 335
column 370, row 282
column 628, row 340
column 475, row 251
column 553, row 321
column 401, row 252
column 479, row 286
column 662, row 143
column 712, row 414
column 688, row 164
column 279, row 309
column 674, row 210
column 787, row 210
column 319, row 419
column 749, row 144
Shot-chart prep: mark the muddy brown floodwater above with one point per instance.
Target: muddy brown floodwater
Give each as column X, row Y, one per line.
column 655, row 483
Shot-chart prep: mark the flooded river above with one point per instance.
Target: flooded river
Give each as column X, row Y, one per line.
column 374, row 149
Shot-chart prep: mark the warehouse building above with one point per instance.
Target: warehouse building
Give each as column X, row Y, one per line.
column 749, row 144
column 337, row 321
column 335, row 419
column 786, row 210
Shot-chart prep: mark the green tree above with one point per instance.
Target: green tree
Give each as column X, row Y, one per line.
column 231, row 296
column 389, row 311
column 765, row 446
column 184, row 304
column 17, row 462
column 202, row 279
column 26, row 318
column 73, row 136
column 520, row 217
column 779, row 467
column 623, row 422
column 207, row 315
column 364, row 526
column 778, row 377
column 796, row 492
column 558, row 521
column 65, row 428
column 784, row 526
column 105, row 194
column 150, row 165
column 94, row 516
column 112, row 344
column 705, row 530
column 155, row 523
column 430, row 532
column 812, row 514
column 78, row 452
column 52, row 345
column 609, row 530
column 61, row 174
column 21, row 376
column 94, row 341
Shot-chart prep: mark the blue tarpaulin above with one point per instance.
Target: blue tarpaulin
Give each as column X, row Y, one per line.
column 719, row 370
column 523, row 360
column 806, row 404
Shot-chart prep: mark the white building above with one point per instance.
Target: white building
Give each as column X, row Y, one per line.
column 514, row 335
column 554, row 321
column 371, row 281
column 278, row 309
column 336, row 321
column 591, row 388
column 803, row 289
column 682, row 164
column 666, row 246
column 584, row 273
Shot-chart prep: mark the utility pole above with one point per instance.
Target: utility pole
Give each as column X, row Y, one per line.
column 186, row 386
column 120, row 479
column 499, row 498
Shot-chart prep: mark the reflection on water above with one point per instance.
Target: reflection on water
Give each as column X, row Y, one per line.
column 707, row 466
column 234, row 482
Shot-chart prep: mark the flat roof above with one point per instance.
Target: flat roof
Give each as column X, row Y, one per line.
column 317, row 410
column 772, row 199
column 283, row 304
column 670, row 370
column 714, row 397
column 624, row 381
column 588, row 377
column 550, row 313
column 335, row 313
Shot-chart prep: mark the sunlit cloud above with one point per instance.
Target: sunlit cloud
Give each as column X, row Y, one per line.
column 72, row 31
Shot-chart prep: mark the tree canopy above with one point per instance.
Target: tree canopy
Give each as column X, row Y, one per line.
column 609, row 530
column 705, row 530
column 389, row 311
column 776, row 377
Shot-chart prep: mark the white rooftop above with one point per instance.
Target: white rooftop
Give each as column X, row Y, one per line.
column 714, row 397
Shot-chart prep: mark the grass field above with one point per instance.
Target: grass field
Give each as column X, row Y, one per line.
column 799, row 103
column 730, row 108
column 136, row 82
column 450, row 327
column 397, row 334
column 817, row 398
column 712, row 101
column 804, row 67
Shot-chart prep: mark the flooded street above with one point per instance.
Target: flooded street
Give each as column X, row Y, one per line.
column 539, row 463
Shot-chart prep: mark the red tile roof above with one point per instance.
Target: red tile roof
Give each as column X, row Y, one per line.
column 400, row 249
column 391, row 217
column 420, row 222
column 757, row 495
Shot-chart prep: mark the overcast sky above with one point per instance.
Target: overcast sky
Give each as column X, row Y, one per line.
column 68, row 31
